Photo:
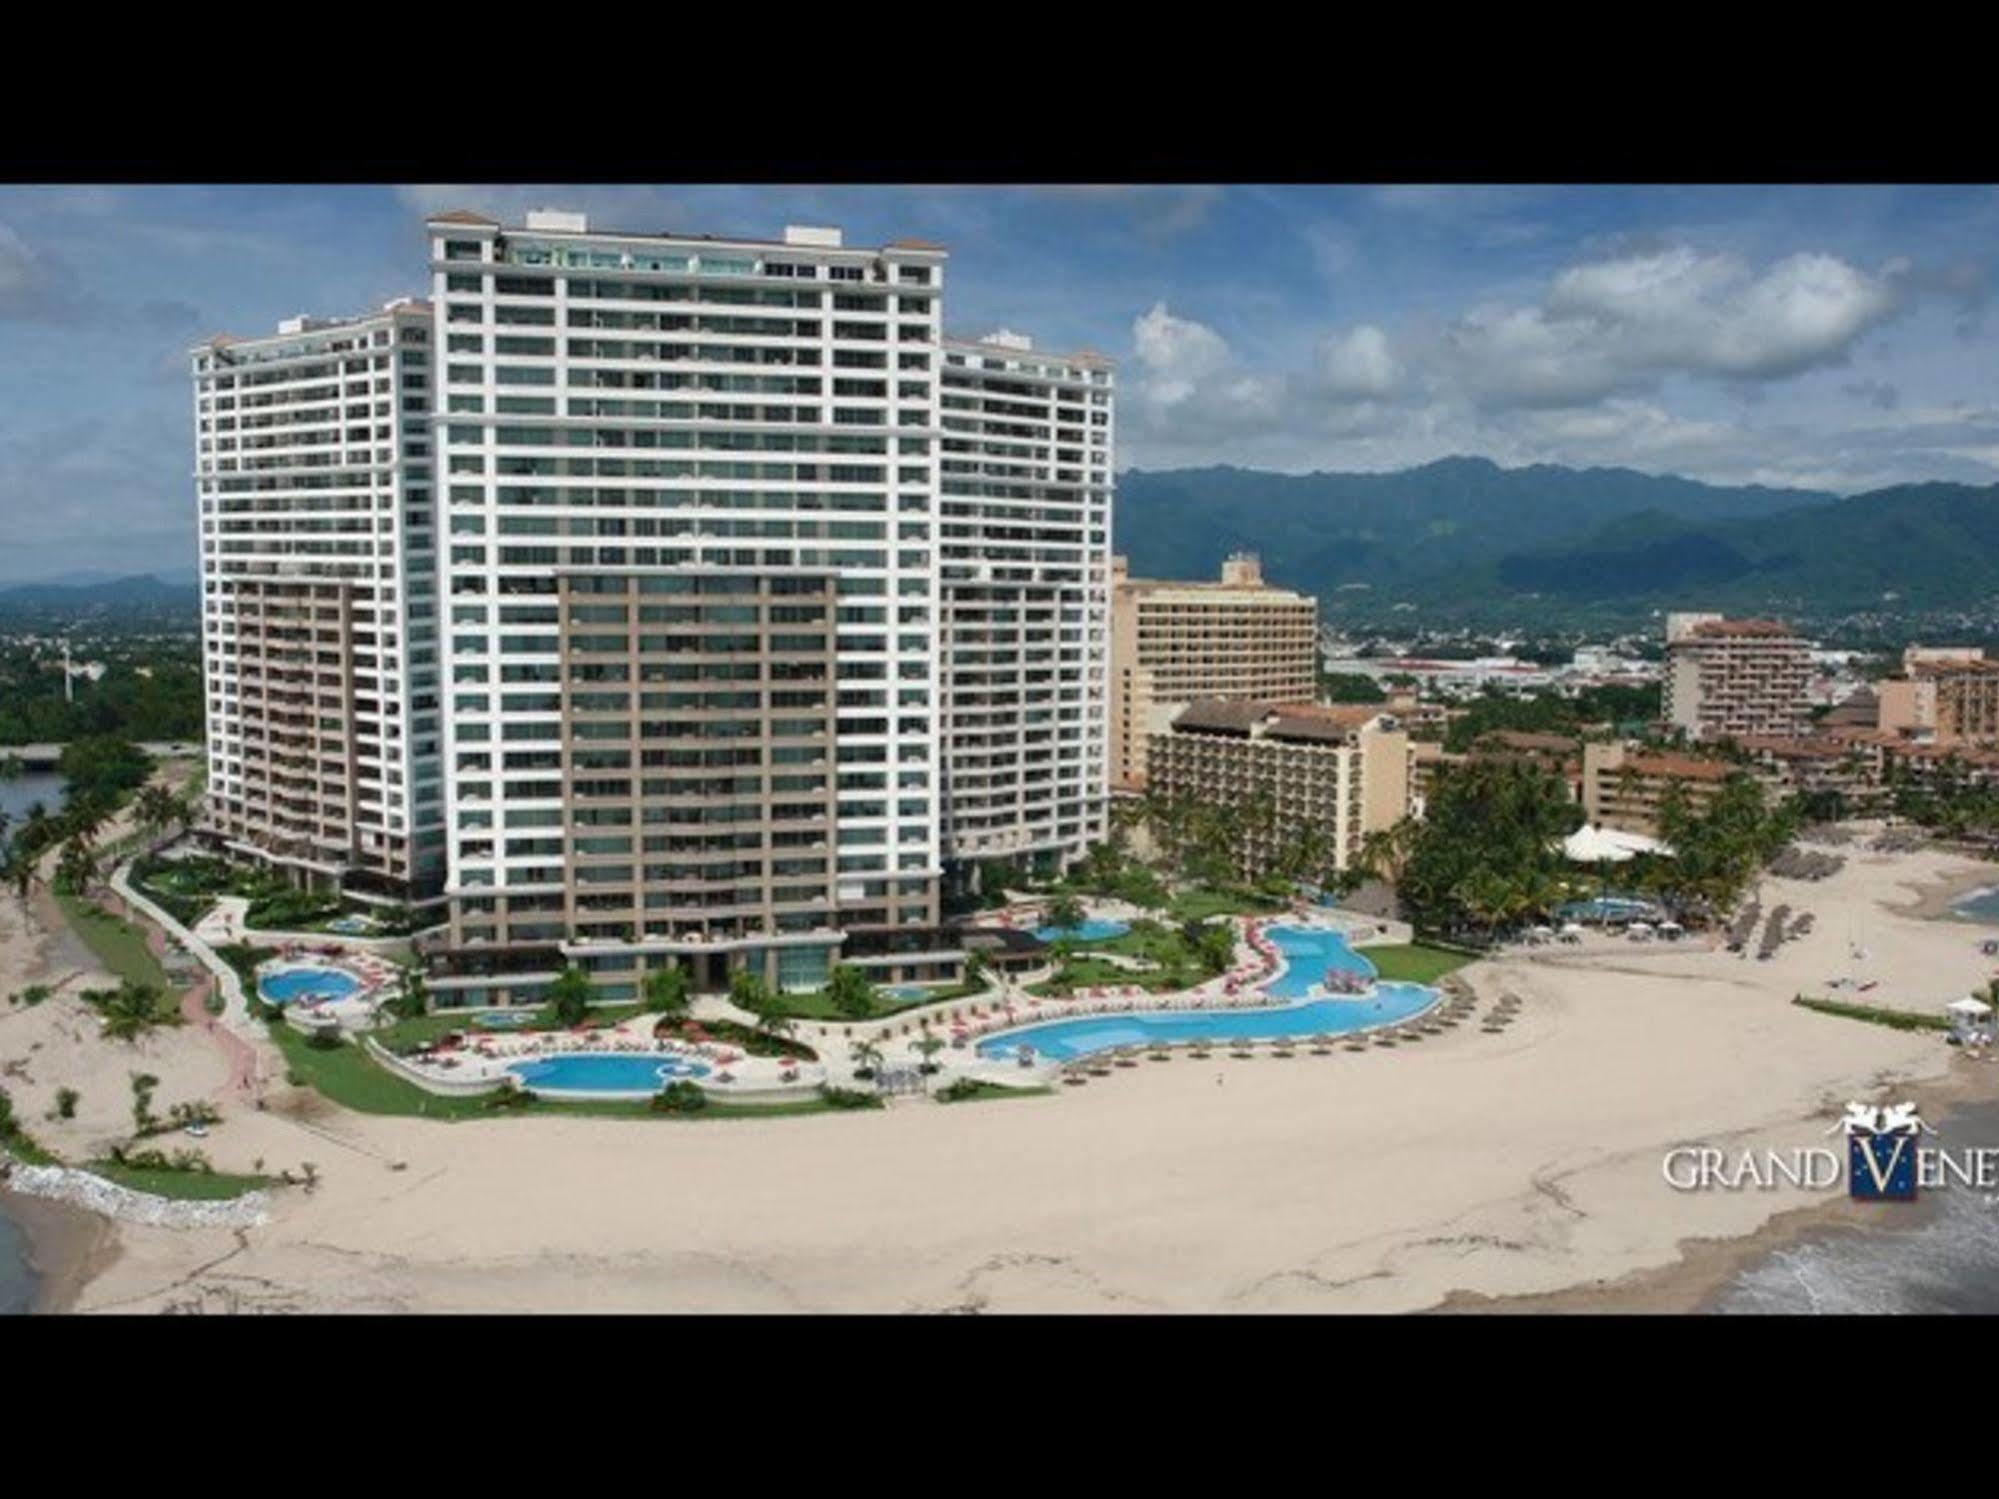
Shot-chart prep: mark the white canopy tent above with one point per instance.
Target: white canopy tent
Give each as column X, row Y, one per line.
column 1601, row 845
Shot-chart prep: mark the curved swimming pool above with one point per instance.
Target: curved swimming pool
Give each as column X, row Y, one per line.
column 305, row 983
column 607, row 1074
column 1308, row 953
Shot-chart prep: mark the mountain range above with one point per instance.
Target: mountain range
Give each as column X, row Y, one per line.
column 1463, row 538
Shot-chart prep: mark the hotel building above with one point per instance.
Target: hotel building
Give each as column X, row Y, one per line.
column 313, row 476
column 1344, row 769
column 1023, row 551
column 1946, row 696
column 691, row 597
column 1727, row 678
column 1623, row 787
column 1171, row 643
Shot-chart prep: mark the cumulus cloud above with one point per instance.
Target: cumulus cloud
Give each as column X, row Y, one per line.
column 1623, row 324
column 1358, row 363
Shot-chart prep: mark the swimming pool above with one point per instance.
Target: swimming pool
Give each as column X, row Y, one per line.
column 907, row 992
column 1610, row 908
column 1308, row 954
column 1096, row 929
column 306, row 983
column 607, row 1074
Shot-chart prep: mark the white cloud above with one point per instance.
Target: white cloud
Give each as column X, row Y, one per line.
column 1358, row 362
column 1623, row 324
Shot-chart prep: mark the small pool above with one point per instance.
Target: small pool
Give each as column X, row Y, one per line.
column 1308, row 953
column 908, row 993
column 294, row 984
column 351, row 926
column 501, row 1020
column 1610, row 908
column 607, row 1073
column 1096, row 929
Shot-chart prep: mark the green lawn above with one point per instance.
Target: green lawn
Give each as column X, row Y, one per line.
column 817, row 1005
column 184, row 1186
column 1415, row 963
column 116, row 944
column 1199, row 905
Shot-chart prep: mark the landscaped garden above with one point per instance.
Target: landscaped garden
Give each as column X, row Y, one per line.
column 187, row 888
column 1175, row 958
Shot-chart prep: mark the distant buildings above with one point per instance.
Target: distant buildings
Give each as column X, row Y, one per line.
column 1945, row 695
column 1622, row 787
column 1343, row 770
column 1173, row 642
column 1726, row 678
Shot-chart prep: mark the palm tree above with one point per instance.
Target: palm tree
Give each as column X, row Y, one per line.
column 867, row 1056
column 666, row 990
column 23, row 872
column 76, row 870
column 155, row 808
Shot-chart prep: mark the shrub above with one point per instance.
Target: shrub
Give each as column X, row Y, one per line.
column 66, row 1101
column 679, row 1098
column 849, row 1098
column 511, row 1098
column 964, row 1087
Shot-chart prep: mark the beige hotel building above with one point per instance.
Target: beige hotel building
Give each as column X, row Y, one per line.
column 1239, row 639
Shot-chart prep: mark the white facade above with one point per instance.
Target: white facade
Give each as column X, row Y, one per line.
column 655, row 413
column 319, row 649
column 1024, row 550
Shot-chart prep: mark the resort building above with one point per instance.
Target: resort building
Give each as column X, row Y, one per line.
column 1239, row 639
column 1820, row 764
column 1946, row 696
column 1343, row 769
column 1623, row 787
column 692, row 603
column 1726, row 678
column 1023, row 559
column 313, row 477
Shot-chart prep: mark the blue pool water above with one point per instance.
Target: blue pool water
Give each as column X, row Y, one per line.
column 606, row 1073
column 906, row 991
column 1609, row 908
column 1096, row 929
column 1308, row 954
column 305, row 983
column 500, row 1020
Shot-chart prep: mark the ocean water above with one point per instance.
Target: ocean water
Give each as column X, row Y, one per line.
column 1980, row 905
column 1940, row 1254
column 23, row 791
column 17, row 1282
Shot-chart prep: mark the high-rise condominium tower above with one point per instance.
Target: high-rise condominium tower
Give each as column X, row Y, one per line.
column 1729, row 677
column 1024, row 556
column 690, row 598
column 319, row 649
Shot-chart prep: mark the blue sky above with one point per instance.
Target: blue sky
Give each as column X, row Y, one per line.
column 1832, row 337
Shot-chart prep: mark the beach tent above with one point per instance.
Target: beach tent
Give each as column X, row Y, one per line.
column 1601, row 845
column 1969, row 1017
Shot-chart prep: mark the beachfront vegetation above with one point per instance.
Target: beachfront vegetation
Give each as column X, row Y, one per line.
column 1901, row 1020
column 132, row 1009
column 848, row 1098
column 1179, row 958
column 115, row 943
column 680, row 1098
column 183, row 1183
column 971, row 1089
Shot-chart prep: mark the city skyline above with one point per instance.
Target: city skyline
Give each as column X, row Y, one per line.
column 1822, row 336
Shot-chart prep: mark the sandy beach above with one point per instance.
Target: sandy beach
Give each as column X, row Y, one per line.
column 1463, row 1172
